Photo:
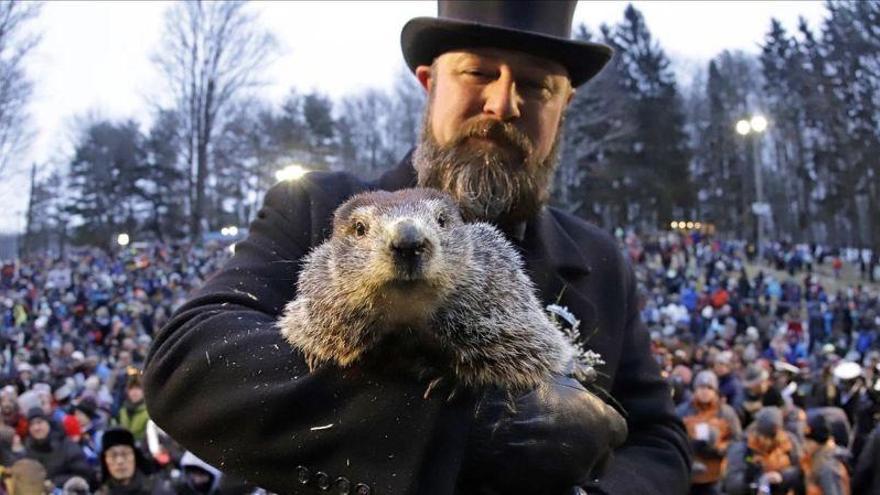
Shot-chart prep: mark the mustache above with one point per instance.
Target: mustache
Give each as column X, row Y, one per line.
column 503, row 133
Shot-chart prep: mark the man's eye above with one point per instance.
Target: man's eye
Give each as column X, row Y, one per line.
column 477, row 73
column 536, row 88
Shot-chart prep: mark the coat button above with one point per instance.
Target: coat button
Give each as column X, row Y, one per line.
column 361, row 489
column 342, row 486
column 322, row 480
column 303, row 475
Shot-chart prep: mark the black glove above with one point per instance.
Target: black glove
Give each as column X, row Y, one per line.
column 546, row 441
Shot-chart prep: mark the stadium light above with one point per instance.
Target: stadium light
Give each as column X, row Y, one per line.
column 755, row 124
column 758, row 123
column 291, row 172
column 122, row 240
column 230, row 231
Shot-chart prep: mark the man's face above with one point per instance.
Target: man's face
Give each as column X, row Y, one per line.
column 135, row 394
column 705, row 395
column 491, row 128
column 120, row 461
column 38, row 428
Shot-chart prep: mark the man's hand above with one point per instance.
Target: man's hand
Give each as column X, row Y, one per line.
column 546, row 442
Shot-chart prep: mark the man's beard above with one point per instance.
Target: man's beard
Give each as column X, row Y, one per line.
column 489, row 168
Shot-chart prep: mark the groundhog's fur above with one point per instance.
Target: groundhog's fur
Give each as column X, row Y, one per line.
column 460, row 286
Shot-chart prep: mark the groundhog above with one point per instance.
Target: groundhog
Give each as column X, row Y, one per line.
column 403, row 266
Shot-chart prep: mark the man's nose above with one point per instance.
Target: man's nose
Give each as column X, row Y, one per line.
column 502, row 99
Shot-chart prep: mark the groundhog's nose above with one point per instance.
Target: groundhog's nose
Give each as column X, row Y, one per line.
column 408, row 241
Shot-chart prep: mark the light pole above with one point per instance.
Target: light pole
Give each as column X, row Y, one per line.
column 756, row 125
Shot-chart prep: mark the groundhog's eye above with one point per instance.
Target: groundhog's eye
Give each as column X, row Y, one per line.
column 441, row 220
column 360, row 229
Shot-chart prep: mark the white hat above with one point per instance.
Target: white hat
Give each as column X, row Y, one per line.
column 847, row 370
column 783, row 366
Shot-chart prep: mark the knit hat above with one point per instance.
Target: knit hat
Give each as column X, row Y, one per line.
column 755, row 374
column 75, row 486
column 35, row 413
column 768, row 421
column 87, row 406
column 706, row 378
column 818, row 428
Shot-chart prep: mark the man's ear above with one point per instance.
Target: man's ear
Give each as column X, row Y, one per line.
column 423, row 74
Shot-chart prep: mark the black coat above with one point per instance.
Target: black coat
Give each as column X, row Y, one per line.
column 221, row 380
column 62, row 459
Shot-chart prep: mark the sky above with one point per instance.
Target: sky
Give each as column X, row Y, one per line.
column 95, row 57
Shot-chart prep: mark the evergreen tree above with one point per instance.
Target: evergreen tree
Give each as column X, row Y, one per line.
column 103, row 174
column 658, row 155
column 598, row 126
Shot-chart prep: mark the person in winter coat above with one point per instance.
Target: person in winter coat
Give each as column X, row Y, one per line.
column 758, row 392
column 123, row 467
column 197, row 476
column 133, row 415
column 767, row 461
column 499, row 76
column 824, row 473
column 711, row 426
column 61, row 457
column 866, row 477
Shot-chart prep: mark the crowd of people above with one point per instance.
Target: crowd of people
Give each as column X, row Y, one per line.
column 775, row 373
column 774, row 368
column 74, row 334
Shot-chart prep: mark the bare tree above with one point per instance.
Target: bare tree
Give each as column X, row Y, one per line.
column 15, row 87
column 212, row 52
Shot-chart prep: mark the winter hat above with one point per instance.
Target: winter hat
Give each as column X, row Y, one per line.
column 755, row 374
column 116, row 436
column 113, row 437
column 87, row 406
column 706, row 378
column 818, row 428
column 768, row 421
column 75, row 486
column 35, row 413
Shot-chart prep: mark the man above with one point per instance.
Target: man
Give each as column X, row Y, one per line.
column 824, row 472
column 711, row 426
column 767, row 460
column 62, row 458
column 758, row 392
column 729, row 384
column 221, row 380
column 133, row 414
column 123, row 467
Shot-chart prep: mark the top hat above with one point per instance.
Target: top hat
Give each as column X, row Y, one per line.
column 540, row 28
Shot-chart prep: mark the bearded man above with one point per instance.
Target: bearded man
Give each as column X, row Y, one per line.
column 221, row 381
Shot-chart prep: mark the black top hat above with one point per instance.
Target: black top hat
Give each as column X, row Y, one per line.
column 541, row 28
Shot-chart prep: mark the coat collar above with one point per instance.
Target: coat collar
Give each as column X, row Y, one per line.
column 545, row 241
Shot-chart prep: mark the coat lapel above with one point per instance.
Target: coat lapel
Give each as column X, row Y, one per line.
column 560, row 271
